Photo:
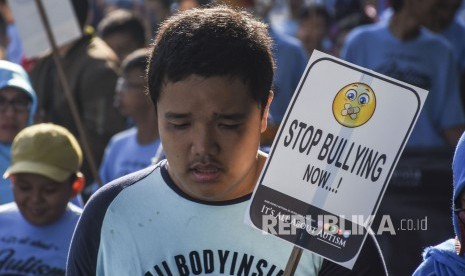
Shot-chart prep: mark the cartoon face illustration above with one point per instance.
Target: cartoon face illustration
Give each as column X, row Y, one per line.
column 354, row 104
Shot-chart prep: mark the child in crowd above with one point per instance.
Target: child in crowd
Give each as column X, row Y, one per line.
column 36, row 228
column 132, row 149
column 18, row 103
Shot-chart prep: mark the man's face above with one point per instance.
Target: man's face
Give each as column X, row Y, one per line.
column 40, row 199
column 423, row 10
column 131, row 99
column 14, row 113
column 122, row 44
column 311, row 32
column 210, row 130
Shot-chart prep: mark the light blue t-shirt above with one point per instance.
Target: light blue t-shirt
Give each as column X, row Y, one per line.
column 6, row 194
column 291, row 60
column 125, row 155
column 455, row 34
column 425, row 61
column 26, row 249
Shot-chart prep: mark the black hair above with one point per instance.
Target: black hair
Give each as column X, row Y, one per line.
column 214, row 41
column 3, row 30
column 315, row 10
column 396, row 4
column 123, row 21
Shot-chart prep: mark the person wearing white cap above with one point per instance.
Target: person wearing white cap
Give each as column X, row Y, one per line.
column 18, row 103
column 36, row 228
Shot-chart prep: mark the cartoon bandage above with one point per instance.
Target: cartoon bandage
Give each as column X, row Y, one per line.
column 351, row 111
column 354, row 104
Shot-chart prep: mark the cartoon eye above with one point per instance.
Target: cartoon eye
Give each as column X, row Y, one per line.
column 351, row 94
column 364, row 98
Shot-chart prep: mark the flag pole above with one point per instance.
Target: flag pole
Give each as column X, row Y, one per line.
column 293, row 261
column 69, row 96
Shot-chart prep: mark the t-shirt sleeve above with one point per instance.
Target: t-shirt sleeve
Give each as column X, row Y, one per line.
column 85, row 244
column 370, row 262
column 452, row 113
column 82, row 256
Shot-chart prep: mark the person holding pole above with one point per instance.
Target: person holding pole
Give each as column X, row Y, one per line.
column 91, row 71
column 209, row 75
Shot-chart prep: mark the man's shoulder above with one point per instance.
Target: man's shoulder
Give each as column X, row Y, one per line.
column 106, row 194
column 368, row 31
column 435, row 41
column 99, row 50
column 92, row 54
column 7, row 208
column 123, row 137
column 10, row 215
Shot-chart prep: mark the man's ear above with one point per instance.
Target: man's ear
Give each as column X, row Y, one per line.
column 78, row 184
column 264, row 122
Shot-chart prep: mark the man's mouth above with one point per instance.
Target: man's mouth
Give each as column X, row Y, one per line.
column 206, row 173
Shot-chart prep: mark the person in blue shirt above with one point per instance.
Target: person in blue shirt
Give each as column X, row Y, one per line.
column 18, row 103
column 403, row 49
column 134, row 148
column 446, row 23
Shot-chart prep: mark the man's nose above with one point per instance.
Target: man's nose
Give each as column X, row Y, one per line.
column 204, row 142
column 37, row 196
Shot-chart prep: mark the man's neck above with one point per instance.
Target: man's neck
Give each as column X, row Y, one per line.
column 404, row 27
column 147, row 128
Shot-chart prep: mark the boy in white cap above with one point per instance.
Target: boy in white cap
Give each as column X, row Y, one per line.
column 36, row 228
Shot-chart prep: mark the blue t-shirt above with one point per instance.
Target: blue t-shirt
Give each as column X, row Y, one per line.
column 425, row 61
column 6, row 194
column 455, row 34
column 26, row 249
column 125, row 155
column 291, row 60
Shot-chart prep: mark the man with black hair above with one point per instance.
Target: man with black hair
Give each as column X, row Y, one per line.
column 122, row 31
column 209, row 75
column 91, row 68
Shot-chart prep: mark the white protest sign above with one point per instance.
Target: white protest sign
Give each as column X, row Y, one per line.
column 333, row 156
column 61, row 17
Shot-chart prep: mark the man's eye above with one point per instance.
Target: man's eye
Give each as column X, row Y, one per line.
column 50, row 190
column 180, row 125
column 229, row 126
column 23, row 188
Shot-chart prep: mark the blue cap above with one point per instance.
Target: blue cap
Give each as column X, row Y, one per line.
column 13, row 75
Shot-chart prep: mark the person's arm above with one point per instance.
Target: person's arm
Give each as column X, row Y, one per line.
column 370, row 262
column 85, row 244
column 452, row 114
column 83, row 252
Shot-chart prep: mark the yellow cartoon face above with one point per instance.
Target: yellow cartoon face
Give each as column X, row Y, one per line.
column 354, row 104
